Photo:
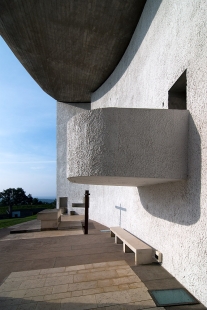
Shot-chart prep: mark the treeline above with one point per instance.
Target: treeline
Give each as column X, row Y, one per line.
column 17, row 196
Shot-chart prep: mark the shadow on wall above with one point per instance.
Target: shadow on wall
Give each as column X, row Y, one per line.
column 81, row 105
column 120, row 209
column 140, row 33
column 178, row 202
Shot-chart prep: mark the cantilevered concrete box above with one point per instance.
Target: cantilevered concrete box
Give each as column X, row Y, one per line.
column 130, row 147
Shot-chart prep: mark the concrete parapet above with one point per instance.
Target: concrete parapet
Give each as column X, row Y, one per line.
column 129, row 147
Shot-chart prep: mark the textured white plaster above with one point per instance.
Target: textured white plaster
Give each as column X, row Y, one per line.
column 131, row 147
column 170, row 38
column 75, row 193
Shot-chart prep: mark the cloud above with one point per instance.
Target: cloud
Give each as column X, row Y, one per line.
column 30, row 157
column 37, row 168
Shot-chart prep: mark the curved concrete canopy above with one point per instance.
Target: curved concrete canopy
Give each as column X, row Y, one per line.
column 69, row 47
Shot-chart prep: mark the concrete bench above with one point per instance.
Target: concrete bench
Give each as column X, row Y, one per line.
column 143, row 252
column 50, row 218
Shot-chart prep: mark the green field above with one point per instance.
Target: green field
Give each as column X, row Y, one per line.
column 3, row 209
column 14, row 221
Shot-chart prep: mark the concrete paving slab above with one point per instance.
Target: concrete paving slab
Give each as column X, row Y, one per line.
column 31, row 226
column 42, row 234
column 88, row 288
column 147, row 272
column 162, row 284
column 72, row 267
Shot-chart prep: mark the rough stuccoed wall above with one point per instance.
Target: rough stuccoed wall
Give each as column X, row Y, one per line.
column 75, row 193
column 170, row 217
column 131, row 147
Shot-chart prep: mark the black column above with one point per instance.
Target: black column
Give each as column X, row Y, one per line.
column 86, row 211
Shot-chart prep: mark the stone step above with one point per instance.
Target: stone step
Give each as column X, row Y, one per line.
column 67, row 225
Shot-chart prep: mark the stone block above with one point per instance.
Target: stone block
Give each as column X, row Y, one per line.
column 45, row 225
column 49, row 214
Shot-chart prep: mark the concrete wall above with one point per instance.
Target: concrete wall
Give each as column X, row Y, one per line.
column 75, row 193
column 170, row 38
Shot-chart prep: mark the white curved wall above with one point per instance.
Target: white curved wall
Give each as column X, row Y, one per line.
column 73, row 192
column 170, row 38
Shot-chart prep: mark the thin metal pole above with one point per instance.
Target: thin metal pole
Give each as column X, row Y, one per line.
column 86, row 211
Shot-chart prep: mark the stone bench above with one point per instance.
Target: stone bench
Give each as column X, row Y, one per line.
column 143, row 252
column 50, row 218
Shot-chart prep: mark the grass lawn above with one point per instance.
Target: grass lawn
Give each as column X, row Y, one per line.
column 3, row 209
column 14, row 221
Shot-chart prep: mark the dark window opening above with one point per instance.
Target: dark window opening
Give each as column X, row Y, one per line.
column 177, row 94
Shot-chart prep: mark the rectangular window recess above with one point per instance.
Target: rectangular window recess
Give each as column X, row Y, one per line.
column 172, row 297
column 177, row 98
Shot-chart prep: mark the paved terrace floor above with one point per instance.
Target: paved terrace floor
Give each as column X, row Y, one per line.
column 55, row 270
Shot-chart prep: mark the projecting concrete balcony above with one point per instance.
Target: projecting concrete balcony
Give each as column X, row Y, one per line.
column 127, row 147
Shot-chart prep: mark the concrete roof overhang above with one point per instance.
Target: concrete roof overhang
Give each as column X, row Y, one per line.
column 69, row 47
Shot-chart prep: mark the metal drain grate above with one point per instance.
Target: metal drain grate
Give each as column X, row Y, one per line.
column 105, row 230
column 172, row 297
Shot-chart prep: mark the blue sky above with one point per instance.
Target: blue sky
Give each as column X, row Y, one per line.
column 27, row 130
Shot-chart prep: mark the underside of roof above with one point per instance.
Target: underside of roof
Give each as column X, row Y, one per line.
column 69, row 47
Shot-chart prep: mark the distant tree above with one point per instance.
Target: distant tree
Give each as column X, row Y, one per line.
column 29, row 199
column 15, row 196
column 12, row 196
column 19, row 196
column 7, row 197
column 36, row 201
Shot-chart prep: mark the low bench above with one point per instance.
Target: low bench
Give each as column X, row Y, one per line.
column 143, row 252
column 50, row 218
column 78, row 208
